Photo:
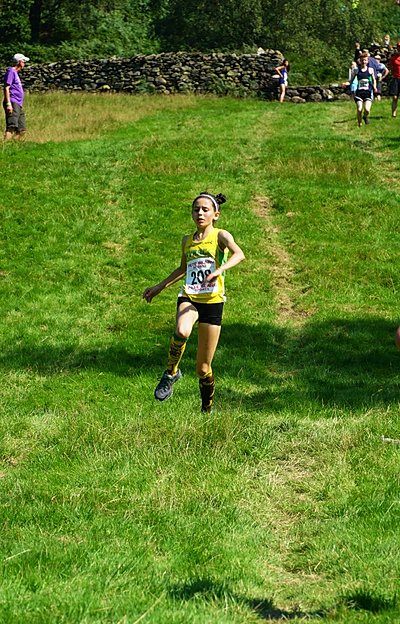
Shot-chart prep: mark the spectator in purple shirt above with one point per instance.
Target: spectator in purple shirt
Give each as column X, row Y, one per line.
column 14, row 99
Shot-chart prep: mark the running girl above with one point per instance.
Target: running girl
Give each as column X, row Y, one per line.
column 282, row 71
column 366, row 87
column 203, row 263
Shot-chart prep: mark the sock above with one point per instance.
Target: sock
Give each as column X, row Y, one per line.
column 207, row 390
column 177, row 346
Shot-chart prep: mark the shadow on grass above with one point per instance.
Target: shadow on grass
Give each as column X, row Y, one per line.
column 346, row 363
column 67, row 359
column 364, row 600
column 392, row 142
column 386, row 142
column 209, row 590
column 343, row 363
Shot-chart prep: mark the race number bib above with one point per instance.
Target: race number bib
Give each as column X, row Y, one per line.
column 196, row 273
column 363, row 84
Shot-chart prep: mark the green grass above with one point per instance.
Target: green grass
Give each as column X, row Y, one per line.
column 282, row 504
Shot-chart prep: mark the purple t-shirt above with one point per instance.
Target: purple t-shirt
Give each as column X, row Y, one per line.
column 12, row 79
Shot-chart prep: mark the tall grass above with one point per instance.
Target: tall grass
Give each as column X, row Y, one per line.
column 283, row 503
column 59, row 116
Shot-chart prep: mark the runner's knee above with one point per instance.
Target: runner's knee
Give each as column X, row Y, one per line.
column 182, row 334
column 202, row 369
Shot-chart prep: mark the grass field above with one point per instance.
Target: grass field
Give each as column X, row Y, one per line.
column 283, row 504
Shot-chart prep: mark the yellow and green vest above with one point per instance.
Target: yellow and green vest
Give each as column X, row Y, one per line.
column 202, row 258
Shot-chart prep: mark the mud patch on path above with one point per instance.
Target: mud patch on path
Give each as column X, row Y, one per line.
column 281, row 266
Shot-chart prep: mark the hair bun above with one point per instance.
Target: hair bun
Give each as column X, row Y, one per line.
column 216, row 199
column 221, row 199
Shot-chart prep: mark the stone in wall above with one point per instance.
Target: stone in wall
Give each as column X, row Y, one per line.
column 244, row 75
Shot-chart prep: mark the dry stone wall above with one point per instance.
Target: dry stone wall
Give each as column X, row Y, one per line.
column 222, row 74
column 161, row 73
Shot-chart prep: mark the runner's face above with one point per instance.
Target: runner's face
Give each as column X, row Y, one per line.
column 204, row 213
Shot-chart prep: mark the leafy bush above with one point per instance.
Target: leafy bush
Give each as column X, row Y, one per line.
column 317, row 36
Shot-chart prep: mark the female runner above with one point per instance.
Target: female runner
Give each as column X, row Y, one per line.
column 366, row 87
column 203, row 263
column 282, row 72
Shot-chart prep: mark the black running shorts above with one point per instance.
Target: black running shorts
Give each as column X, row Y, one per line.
column 363, row 95
column 210, row 313
column 394, row 87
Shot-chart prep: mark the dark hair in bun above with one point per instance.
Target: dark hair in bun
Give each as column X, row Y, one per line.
column 217, row 200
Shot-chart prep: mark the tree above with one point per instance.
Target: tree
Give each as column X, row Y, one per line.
column 318, row 34
column 208, row 24
column 14, row 21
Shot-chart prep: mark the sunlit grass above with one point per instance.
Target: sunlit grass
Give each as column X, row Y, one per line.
column 58, row 116
column 283, row 503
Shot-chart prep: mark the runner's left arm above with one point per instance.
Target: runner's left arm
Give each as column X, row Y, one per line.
column 226, row 241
